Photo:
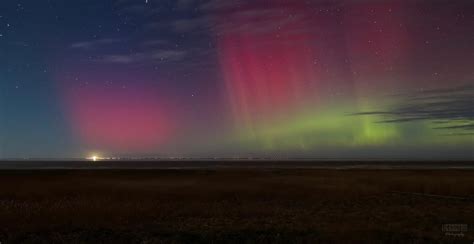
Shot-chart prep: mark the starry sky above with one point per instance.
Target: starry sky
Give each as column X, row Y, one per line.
column 387, row 79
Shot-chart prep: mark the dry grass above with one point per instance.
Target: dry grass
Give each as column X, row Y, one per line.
column 237, row 206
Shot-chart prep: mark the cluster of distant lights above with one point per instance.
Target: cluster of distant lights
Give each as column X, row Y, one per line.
column 95, row 158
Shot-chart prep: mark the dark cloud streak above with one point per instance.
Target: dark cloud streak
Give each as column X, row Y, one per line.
column 451, row 106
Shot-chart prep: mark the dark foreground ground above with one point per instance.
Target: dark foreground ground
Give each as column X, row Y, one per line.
column 236, row 206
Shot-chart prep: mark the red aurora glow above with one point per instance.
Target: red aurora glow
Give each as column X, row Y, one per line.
column 279, row 59
column 110, row 112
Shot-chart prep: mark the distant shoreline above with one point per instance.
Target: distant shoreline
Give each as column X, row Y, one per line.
column 232, row 164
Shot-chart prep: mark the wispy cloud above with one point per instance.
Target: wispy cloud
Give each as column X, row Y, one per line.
column 121, row 59
column 187, row 25
column 156, row 55
column 95, row 43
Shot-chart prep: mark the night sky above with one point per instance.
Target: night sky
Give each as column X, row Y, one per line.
column 221, row 78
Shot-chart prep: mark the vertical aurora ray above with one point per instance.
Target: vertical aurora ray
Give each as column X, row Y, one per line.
column 277, row 78
column 268, row 62
column 289, row 91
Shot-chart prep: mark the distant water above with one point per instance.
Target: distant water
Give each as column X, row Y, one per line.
column 237, row 164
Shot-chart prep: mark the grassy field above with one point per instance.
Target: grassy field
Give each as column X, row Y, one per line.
column 236, row 206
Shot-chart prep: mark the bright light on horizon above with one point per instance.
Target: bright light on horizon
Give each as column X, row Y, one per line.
column 94, row 158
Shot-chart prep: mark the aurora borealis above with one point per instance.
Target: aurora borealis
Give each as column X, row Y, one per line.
column 214, row 78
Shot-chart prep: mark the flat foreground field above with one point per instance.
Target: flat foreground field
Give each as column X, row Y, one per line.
column 236, row 206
